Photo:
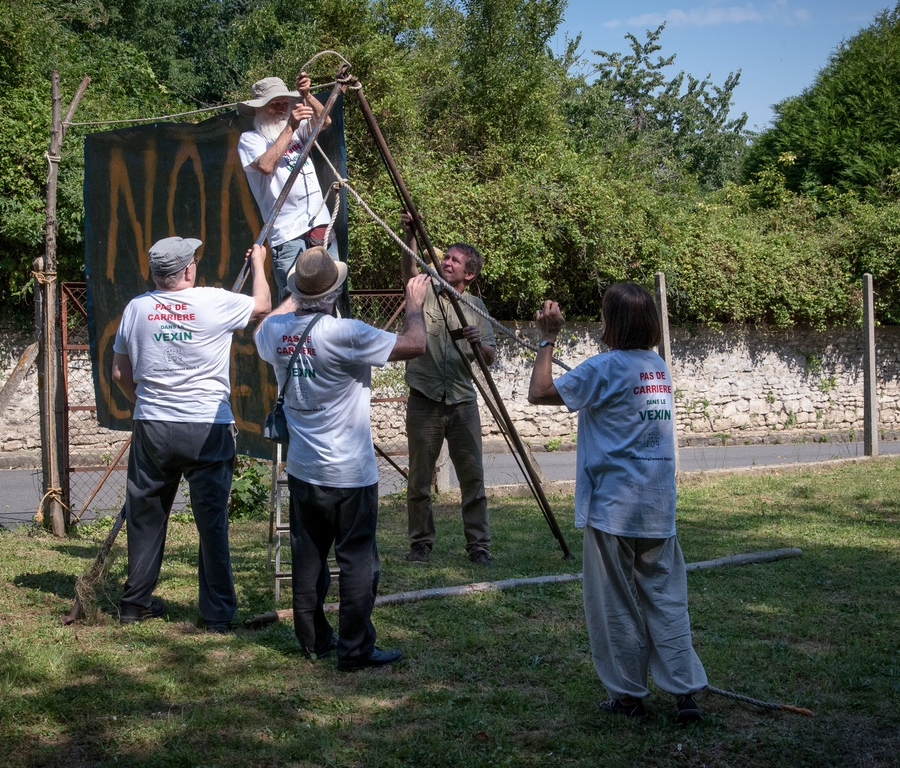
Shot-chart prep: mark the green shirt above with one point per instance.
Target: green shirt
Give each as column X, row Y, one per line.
column 441, row 374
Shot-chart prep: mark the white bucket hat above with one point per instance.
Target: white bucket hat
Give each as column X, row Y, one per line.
column 263, row 91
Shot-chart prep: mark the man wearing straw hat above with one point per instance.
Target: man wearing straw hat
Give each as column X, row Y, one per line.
column 283, row 122
column 331, row 466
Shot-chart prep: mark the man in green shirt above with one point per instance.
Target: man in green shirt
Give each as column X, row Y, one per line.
column 442, row 404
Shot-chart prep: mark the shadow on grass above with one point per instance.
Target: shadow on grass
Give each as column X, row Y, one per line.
column 52, row 582
column 502, row 678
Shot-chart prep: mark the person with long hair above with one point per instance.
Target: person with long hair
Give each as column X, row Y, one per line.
column 635, row 581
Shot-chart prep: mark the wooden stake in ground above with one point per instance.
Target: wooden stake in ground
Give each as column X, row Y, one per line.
column 48, row 362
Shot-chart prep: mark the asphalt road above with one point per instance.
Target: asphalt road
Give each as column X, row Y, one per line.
column 20, row 489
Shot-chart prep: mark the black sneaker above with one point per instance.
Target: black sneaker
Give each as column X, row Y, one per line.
column 131, row 614
column 687, row 710
column 218, row 627
column 378, row 658
column 480, row 557
column 618, row 707
column 419, row 553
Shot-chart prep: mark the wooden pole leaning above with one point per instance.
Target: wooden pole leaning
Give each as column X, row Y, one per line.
column 665, row 345
column 504, row 421
column 342, row 80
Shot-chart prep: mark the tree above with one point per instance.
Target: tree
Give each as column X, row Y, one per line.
column 844, row 130
column 633, row 107
column 36, row 37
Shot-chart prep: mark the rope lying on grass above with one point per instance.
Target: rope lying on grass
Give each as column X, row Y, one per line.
column 759, row 702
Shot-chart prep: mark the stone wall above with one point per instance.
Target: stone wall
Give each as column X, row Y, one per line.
column 737, row 385
column 20, row 433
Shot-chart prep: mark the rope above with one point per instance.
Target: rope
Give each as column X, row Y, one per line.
column 154, row 119
column 53, row 494
column 213, row 108
column 45, row 277
column 759, row 703
column 320, row 54
column 427, row 268
column 336, row 188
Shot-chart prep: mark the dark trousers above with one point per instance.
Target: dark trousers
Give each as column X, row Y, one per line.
column 322, row 516
column 428, row 424
column 161, row 452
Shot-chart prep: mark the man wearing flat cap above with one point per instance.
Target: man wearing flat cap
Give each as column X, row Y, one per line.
column 331, row 466
column 283, row 122
column 171, row 358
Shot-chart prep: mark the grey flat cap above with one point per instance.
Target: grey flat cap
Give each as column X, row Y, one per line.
column 172, row 254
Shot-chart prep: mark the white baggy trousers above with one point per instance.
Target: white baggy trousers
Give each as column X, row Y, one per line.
column 635, row 602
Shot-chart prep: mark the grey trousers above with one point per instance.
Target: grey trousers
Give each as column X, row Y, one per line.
column 428, row 424
column 161, row 451
column 635, row 602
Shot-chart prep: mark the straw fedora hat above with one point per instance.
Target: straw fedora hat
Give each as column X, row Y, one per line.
column 315, row 274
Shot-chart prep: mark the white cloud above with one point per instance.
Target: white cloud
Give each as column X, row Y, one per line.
column 779, row 12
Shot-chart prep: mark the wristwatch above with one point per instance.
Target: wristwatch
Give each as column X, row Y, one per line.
column 546, row 343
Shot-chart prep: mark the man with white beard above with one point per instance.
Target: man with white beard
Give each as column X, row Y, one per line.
column 283, row 122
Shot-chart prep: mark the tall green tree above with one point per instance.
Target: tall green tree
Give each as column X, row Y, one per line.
column 36, row 37
column 565, row 182
column 844, row 130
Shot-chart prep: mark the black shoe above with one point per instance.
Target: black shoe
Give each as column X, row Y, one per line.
column 480, row 557
column 324, row 653
column 378, row 658
column 218, row 627
column 419, row 553
column 131, row 614
column 687, row 710
column 618, row 707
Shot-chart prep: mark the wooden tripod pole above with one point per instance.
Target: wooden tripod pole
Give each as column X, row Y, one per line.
column 505, row 421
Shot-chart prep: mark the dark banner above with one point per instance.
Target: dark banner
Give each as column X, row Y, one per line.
column 146, row 183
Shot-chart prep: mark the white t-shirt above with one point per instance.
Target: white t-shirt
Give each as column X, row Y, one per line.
column 625, row 460
column 302, row 209
column 179, row 344
column 327, row 401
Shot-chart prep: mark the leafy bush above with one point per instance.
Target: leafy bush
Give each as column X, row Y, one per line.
column 250, row 488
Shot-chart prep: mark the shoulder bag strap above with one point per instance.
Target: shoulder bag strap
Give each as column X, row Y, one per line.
column 318, row 316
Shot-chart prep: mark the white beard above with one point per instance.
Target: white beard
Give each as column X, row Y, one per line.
column 269, row 128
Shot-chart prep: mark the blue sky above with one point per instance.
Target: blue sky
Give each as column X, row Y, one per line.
column 779, row 46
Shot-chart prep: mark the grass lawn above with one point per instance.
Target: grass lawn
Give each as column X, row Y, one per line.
column 490, row 679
